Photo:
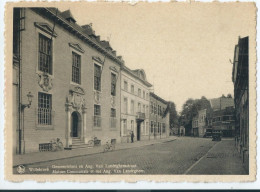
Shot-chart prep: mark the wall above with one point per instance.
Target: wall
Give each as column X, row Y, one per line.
column 131, row 80
column 61, row 78
column 158, row 119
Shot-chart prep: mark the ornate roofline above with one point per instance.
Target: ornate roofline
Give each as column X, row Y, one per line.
column 47, row 12
column 129, row 71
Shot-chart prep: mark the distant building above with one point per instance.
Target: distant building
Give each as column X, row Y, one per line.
column 223, row 120
column 221, row 103
column 199, row 123
column 159, row 117
column 135, row 97
column 241, row 96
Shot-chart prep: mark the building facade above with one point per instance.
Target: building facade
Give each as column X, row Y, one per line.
column 221, row 103
column 223, row 120
column 159, row 117
column 241, row 97
column 135, row 98
column 199, row 123
column 73, row 76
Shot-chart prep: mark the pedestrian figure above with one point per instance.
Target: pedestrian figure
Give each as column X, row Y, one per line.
column 132, row 137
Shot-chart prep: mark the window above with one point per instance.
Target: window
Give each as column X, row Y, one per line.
column 159, row 128
column 143, row 109
column 147, row 110
column 139, row 92
column 144, row 94
column 155, row 109
column 125, row 106
column 139, row 107
column 132, row 125
column 113, row 84
column 132, row 107
column 113, row 112
column 45, row 54
column 151, row 107
column 163, row 128
column 124, row 131
column 75, row 68
column 97, row 77
column 132, row 89
column 151, row 126
column 147, row 97
column 125, row 86
column 113, row 118
column 158, row 110
column 44, row 109
column 97, row 116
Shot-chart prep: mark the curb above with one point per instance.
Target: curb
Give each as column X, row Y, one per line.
column 61, row 158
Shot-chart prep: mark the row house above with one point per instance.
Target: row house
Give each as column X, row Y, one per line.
column 77, row 87
column 199, row 123
column 159, row 117
column 240, row 77
column 70, row 76
column 135, row 97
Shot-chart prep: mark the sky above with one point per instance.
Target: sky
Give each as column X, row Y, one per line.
column 184, row 48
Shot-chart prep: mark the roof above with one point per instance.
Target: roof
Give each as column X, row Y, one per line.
column 67, row 15
column 221, row 103
column 158, row 98
column 82, row 32
column 134, row 73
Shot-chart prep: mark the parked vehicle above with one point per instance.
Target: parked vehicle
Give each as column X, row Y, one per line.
column 207, row 134
column 216, row 135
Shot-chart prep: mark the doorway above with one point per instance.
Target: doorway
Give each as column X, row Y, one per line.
column 75, row 124
column 138, row 131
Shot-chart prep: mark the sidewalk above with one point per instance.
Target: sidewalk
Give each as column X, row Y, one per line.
column 37, row 157
column 222, row 159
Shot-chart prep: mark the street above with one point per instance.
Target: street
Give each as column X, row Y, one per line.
column 186, row 155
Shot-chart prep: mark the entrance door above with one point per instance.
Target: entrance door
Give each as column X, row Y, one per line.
column 138, row 132
column 75, row 124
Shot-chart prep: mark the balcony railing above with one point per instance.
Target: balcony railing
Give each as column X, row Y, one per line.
column 44, row 116
column 97, row 121
column 113, row 122
column 140, row 116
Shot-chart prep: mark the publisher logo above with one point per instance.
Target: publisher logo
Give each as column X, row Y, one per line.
column 21, row 169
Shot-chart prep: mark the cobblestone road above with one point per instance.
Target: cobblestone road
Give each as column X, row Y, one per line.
column 175, row 157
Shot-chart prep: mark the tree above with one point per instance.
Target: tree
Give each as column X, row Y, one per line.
column 190, row 109
column 174, row 117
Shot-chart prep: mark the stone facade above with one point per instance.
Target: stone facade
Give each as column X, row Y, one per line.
column 159, row 117
column 135, row 97
column 78, row 86
column 70, row 104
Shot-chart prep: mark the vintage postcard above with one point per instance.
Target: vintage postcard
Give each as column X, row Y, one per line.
column 102, row 91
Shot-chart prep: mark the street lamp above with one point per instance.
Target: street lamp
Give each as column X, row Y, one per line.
column 29, row 96
column 21, row 130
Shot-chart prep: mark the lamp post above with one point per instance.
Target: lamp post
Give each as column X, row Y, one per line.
column 21, row 128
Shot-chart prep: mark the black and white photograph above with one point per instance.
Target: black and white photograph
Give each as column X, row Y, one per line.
column 131, row 91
